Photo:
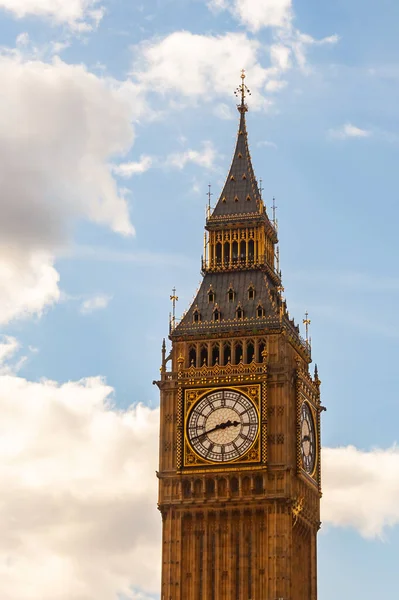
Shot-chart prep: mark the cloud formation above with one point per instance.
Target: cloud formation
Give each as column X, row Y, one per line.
column 59, row 127
column 349, row 131
column 80, row 15
column 98, row 302
column 256, row 14
column 361, row 489
column 79, row 517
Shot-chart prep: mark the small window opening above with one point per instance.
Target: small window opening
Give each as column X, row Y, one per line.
column 231, row 294
column 250, row 352
column 248, row 198
column 192, row 357
column 211, row 295
column 224, row 199
column 186, row 488
column 240, row 313
column 238, row 353
column 210, row 487
column 226, row 252
column 251, row 293
column 234, row 485
column 226, row 354
column 232, row 178
column 196, row 316
column 204, row 355
column 215, row 355
column 243, row 250
column 258, row 484
column 251, row 247
column 216, row 315
column 218, row 253
column 260, row 311
column 244, row 177
column 235, row 251
column 236, row 199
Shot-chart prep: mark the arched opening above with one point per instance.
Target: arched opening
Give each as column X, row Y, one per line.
column 211, row 296
column 235, row 252
column 243, row 250
column 210, row 487
column 222, row 487
column 218, row 253
column 196, row 316
column 251, row 250
column 234, row 486
column 262, row 347
column 259, row 484
column 239, row 313
column 251, row 292
column 260, row 311
column 215, row 354
column 186, row 488
column 216, row 315
column 238, row 353
column 226, row 252
column 246, row 486
column 226, row 353
column 230, row 294
column 192, row 356
column 204, row 355
column 198, row 488
column 250, row 352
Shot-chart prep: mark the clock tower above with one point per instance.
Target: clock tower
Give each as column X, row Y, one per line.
column 239, row 463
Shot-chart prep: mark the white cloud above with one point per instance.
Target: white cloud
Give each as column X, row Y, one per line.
column 349, row 131
column 97, row 302
column 59, row 127
column 81, row 15
column 266, row 143
column 205, row 66
column 203, row 158
column 361, row 489
column 256, row 14
column 224, row 111
column 79, row 517
column 128, row 169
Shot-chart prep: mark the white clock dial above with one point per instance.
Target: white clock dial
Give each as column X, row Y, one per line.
column 222, row 426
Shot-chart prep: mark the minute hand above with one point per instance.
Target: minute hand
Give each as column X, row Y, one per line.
column 219, row 426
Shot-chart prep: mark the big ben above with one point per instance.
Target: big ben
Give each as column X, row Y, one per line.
column 239, row 464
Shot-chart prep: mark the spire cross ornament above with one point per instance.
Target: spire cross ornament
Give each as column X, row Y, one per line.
column 209, row 194
column 174, row 299
column 274, row 207
column 306, row 322
column 242, row 91
column 261, row 188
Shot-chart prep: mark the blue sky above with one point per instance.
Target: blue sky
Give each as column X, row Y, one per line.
column 115, row 115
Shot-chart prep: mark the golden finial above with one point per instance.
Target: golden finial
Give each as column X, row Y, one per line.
column 242, row 91
column 174, row 299
column 306, row 322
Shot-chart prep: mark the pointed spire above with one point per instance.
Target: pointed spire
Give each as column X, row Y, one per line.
column 240, row 194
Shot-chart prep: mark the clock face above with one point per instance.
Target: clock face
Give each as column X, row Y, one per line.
column 222, row 426
column 308, row 439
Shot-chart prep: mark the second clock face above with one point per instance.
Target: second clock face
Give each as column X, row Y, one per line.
column 308, row 439
column 222, row 426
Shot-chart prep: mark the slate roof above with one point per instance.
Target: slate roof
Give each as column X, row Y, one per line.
column 265, row 295
column 240, row 194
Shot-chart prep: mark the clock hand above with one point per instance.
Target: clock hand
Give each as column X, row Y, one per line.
column 219, row 426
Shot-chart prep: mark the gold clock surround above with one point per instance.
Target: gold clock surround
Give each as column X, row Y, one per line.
column 252, row 456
